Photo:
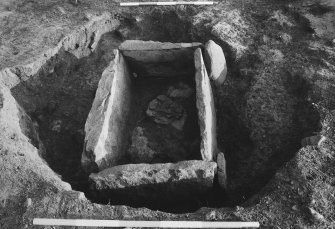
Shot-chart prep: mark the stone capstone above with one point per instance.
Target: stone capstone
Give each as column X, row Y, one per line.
column 155, row 182
column 206, row 109
column 215, row 62
column 165, row 111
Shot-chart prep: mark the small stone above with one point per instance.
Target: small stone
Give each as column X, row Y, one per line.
column 75, row 2
column 286, row 38
column 29, row 202
column 16, row 51
column 315, row 140
column 81, row 196
column 317, row 216
column 68, row 113
column 265, row 38
column 282, row 19
column 75, row 195
column 276, row 55
column 56, row 125
column 179, row 124
column 40, row 117
column 246, row 72
column 333, row 41
column 51, row 107
column 215, row 62
column 88, row 15
column 14, row 137
column 211, row 215
column 61, row 10
column 51, row 70
column 239, row 208
column 295, row 208
column 222, row 170
column 1, row 101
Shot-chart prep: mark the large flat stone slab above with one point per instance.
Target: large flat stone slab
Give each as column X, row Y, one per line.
column 105, row 128
column 206, row 109
column 186, row 180
column 157, row 59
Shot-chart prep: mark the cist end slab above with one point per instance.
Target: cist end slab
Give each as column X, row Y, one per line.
column 155, row 182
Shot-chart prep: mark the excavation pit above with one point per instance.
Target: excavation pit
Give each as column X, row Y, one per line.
column 142, row 138
column 59, row 97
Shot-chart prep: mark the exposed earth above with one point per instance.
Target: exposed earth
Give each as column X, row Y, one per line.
column 275, row 110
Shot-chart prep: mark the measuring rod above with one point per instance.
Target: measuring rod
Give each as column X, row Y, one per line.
column 166, row 3
column 127, row 223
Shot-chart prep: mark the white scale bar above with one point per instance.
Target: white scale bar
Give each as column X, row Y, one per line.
column 166, row 3
column 125, row 223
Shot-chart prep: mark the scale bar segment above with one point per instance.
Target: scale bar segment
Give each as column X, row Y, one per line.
column 166, row 3
column 126, row 223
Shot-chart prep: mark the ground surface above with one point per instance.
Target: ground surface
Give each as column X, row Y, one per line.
column 280, row 89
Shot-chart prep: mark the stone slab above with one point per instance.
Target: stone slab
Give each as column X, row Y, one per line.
column 137, row 45
column 160, row 60
column 155, row 182
column 222, row 170
column 107, row 121
column 215, row 62
column 206, row 109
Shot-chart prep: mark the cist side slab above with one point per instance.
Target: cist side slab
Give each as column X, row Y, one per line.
column 105, row 128
column 206, row 109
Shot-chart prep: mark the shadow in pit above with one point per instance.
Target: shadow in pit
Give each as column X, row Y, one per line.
column 251, row 161
column 161, row 197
